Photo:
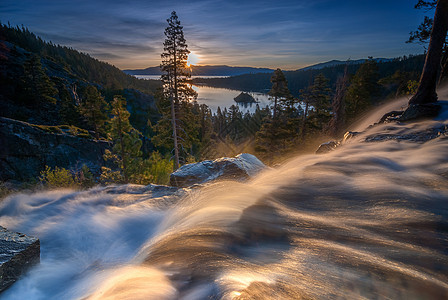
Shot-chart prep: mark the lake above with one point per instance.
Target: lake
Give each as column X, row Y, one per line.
column 219, row 97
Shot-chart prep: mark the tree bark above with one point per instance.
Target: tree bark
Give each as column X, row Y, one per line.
column 426, row 92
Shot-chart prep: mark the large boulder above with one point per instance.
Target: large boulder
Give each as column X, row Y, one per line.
column 239, row 167
column 18, row 253
column 26, row 149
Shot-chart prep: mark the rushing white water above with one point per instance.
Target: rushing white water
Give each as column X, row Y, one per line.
column 368, row 220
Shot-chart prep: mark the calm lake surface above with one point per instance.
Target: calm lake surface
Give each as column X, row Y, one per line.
column 219, row 97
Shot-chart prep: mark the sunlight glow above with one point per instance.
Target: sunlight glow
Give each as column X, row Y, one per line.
column 193, row 59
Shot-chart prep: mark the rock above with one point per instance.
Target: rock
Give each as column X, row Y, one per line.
column 391, row 116
column 239, row 167
column 18, row 253
column 420, row 111
column 244, row 98
column 348, row 136
column 26, row 149
column 327, row 147
column 416, row 136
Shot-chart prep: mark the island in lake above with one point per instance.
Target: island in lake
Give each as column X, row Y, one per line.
column 244, row 98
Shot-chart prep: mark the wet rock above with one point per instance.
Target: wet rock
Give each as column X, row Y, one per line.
column 327, row 147
column 417, row 136
column 26, row 149
column 420, row 111
column 348, row 136
column 239, row 167
column 18, row 253
column 391, row 116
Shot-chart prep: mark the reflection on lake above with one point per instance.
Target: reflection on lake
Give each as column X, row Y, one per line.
column 215, row 97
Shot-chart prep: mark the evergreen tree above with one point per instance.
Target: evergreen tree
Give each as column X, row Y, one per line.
column 426, row 91
column 94, row 108
column 175, row 77
column 316, row 96
column 363, row 89
column 37, row 88
column 423, row 33
column 338, row 105
column 279, row 90
column 126, row 152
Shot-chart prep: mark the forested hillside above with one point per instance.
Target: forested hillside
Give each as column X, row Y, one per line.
column 409, row 68
column 44, row 83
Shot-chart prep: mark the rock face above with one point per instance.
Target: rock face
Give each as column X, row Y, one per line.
column 25, row 150
column 239, row 167
column 18, row 253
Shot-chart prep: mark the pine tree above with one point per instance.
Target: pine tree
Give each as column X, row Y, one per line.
column 338, row 105
column 175, row 77
column 426, row 91
column 37, row 88
column 126, row 152
column 94, row 108
column 279, row 90
column 363, row 89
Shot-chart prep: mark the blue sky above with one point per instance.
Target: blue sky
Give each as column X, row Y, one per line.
column 285, row 34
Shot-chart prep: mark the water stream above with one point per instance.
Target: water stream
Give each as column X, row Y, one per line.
column 366, row 221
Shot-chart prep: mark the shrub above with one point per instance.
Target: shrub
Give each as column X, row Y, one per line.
column 57, row 178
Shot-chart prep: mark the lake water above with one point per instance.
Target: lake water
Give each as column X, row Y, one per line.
column 219, row 97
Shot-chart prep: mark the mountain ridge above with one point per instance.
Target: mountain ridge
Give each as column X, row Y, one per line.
column 225, row 70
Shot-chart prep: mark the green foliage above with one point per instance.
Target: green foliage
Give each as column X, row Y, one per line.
column 412, row 86
column 126, row 152
column 363, row 89
column 36, row 88
column 176, row 87
column 63, row 178
column 158, row 168
column 94, row 109
column 77, row 64
column 57, row 178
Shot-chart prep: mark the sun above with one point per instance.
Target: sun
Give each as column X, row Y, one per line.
column 193, row 59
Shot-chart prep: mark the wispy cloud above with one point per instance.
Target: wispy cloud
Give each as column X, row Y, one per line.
column 282, row 33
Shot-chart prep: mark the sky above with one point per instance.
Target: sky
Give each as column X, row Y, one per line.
column 257, row 33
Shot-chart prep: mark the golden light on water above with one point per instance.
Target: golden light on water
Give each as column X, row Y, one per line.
column 193, row 59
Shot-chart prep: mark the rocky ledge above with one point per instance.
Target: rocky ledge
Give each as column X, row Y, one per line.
column 26, row 149
column 240, row 167
column 18, row 253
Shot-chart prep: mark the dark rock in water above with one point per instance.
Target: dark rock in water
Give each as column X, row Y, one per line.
column 244, row 98
column 327, row 147
column 348, row 136
column 391, row 116
column 18, row 253
column 26, row 149
column 420, row 111
column 416, row 136
column 240, row 167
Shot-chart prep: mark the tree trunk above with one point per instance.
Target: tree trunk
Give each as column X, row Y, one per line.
column 122, row 150
column 173, row 111
column 426, row 92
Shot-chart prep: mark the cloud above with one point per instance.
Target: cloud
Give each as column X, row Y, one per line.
column 258, row 33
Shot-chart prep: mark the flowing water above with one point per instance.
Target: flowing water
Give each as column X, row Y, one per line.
column 366, row 221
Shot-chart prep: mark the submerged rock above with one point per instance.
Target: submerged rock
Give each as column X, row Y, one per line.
column 18, row 253
column 240, row 167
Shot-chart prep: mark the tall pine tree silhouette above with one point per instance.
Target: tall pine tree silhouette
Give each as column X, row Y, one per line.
column 175, row 77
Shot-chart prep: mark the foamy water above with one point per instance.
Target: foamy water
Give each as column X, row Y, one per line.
column 368, row 220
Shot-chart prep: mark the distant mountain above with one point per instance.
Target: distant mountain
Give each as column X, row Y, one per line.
column 334, row 62
column 205, row 71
